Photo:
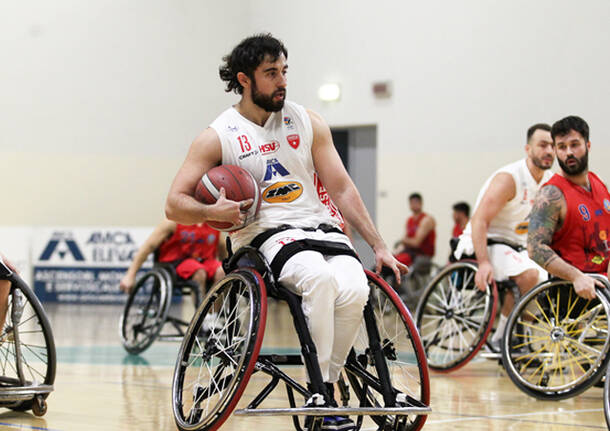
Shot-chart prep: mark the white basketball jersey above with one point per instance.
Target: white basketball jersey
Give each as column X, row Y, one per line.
column 278, row 155
column 511, row 222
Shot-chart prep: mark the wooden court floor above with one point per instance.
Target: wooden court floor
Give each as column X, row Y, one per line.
column 100, row 387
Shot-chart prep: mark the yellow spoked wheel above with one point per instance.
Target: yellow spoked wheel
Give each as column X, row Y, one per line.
column 557, row 342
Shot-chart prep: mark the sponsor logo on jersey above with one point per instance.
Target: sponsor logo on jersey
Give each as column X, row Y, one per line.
column 232, row 128
column 521, row 228
column 326, row 200
column 274, row 167
column 246, row 155
column 598, row 260
column 269, row 147
column 607, row 205
column 294, row 140
column 284, row 191
column 288, row 123
column 599, row 213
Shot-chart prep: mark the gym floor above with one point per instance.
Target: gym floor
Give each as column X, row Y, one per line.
column 100, row 387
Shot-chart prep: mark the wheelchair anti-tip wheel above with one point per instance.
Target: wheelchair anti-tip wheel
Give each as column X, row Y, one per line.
column 219, row 351
column 145, row 311
column 556, row 343
column 27, row 348
column 454, row 317
column 388, row 349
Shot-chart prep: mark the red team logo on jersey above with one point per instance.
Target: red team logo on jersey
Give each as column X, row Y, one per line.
column 326, row 200
column 294, row 141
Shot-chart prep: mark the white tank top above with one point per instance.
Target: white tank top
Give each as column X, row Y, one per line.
column 512, row 221
column 278, row 155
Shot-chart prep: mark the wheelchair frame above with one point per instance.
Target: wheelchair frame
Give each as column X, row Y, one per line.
column 167, row 282
column 399, row 405
column 20, row 393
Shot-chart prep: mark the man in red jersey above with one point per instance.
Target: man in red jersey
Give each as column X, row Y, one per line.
column 570, row 220
column 461, row 216
column 192, row 250
column 420, row 234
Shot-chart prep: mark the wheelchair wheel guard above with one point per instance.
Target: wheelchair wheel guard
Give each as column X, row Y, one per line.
column 387, row 366
column 556, row 343
column 219, row 351
column 454, row 317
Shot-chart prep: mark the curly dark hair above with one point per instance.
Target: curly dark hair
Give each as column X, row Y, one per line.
column 563, row 127
column 247, row 56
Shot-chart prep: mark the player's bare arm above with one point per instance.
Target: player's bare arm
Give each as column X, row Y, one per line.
column 181, row 206
column 425, row 227
column 344, row 193
column 161, row 232
column 501, row 190
column 546, row 218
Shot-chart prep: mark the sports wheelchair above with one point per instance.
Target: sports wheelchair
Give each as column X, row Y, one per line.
column 455, row 318
column 607, row 398
column 386, row 369
column 556, row 343
column 27, row 349
column 148, row 306
column 412, row 284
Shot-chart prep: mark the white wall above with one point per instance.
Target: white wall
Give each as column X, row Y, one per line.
column 100, row 99
column 469, row 78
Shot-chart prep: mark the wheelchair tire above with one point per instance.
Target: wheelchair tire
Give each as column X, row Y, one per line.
column 454, row 317
column 556, row 343
column 218, row 354
column 145, row 311
column 401, row 352
column 36, row 344
column 607, row 398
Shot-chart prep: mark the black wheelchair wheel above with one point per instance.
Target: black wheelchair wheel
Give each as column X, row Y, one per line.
column 557, row 343
column 27, row 335
column 219, row 351
column 607, row 398
column 145, row 311
column 454, row 317
column 387, row 365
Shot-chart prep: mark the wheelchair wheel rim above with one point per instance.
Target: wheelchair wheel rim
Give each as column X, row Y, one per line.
column 454, row 317
column 145, row 312
column 607, row 397
column 403, row 353
column 205, row 360
column 557, row 346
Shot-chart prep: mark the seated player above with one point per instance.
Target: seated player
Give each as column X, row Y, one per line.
column 570, row 220
column 461, row 216
column 191, row 249
column 420, row 236
column 5, row 289
column 497, row 232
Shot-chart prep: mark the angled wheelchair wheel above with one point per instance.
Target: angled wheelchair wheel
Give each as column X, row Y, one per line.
column 145, row 311
column 27, row 347
column 607, row 398
column 454, row 317
column 219, row 351
column 556, row 343
column 387, row 366
column 413, row 284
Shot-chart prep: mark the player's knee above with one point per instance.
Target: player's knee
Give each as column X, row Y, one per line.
column 528, row 279
column 200, row 277
column 219, row 274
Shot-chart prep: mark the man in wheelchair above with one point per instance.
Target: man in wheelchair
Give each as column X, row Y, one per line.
column 497, row 231
column 570, row 220
column 191, row 250
column 307, row 251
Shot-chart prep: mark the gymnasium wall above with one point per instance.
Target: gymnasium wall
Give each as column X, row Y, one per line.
column 100, row 100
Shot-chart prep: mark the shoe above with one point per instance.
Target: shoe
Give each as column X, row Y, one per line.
column 331, row 423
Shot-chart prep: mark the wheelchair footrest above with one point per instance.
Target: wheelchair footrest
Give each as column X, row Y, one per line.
column 335, row 411
column 19, row 393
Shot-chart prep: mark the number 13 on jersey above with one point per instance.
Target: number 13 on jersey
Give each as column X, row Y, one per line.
column 244, row 143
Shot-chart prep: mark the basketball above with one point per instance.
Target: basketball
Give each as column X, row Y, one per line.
column 239, row 185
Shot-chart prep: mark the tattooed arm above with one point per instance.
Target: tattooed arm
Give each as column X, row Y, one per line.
column 546, row 218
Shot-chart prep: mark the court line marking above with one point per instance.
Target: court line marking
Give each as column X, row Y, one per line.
column 466, row 417
column 21, row 426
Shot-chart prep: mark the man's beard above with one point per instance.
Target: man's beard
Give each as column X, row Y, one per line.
column 539, row 163
column 266, row 102
column 576, row 169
